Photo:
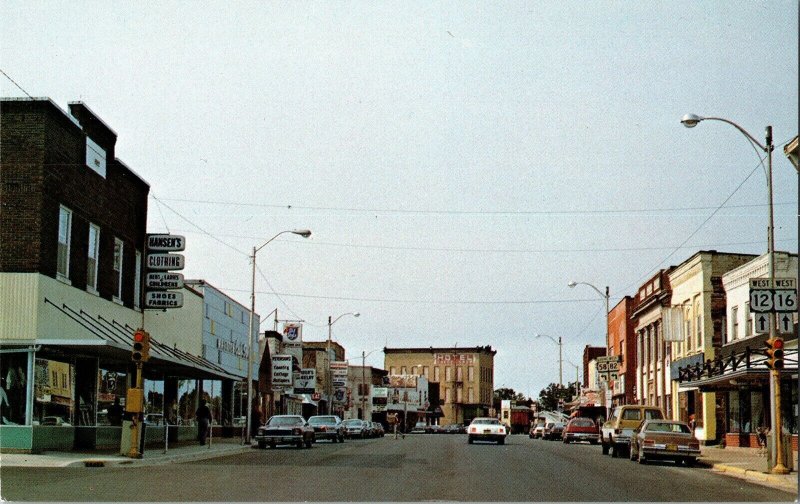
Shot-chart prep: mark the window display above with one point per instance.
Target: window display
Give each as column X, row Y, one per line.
column 13, row 383
column 53, row 393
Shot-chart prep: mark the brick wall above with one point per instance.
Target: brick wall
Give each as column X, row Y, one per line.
column 43, row 167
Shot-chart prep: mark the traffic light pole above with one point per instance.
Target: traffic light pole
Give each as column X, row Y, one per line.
column 136, row 417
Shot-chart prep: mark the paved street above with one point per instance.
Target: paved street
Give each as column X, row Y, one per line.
column 418, row 468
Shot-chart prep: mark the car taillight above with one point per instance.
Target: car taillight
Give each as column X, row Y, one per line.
column 694, row 445
column 502, row 430
column 473, row 429
column 648, row 442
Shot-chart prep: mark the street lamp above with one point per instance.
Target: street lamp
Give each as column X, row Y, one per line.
column 560, row 359
column 690, row 121
column 305, row 233
column 332, row 321
column 577, row 379
column 364, row 380
column 607, row 297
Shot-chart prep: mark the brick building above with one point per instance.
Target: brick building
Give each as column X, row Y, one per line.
column 465, row 377
column 622, row 343
column 72, row 238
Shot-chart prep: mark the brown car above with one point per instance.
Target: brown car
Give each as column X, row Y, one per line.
column 665, row 440
column 615, row 436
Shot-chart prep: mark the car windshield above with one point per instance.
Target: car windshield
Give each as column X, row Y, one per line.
column 329, row 420
column 486, row 421
column 353, row 423
column 278, row 421
column 668, row 427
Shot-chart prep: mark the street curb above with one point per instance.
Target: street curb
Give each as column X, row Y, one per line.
column 162, row 459
column 787, row 483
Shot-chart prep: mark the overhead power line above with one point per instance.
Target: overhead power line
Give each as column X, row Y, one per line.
column 407, row 211
column 15, row 83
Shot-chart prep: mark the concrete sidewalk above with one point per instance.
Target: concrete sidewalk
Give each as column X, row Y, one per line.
column 152, row 456
column 748, row 464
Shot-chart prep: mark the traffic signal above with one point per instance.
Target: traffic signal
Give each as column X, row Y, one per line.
column 141, row 346
column 775, row 353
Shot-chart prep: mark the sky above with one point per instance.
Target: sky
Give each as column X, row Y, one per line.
column 458, row 163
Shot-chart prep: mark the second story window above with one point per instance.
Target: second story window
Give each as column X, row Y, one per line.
column 91, row 258
column 64, row 234
column 137, row 286
column 748, row 324
column 734, row 322
column 118, row 251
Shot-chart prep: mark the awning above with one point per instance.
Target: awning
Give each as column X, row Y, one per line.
column 112, row 340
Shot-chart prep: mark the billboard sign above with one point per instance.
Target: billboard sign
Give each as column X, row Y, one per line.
column 163, row 299
column 166, row 242
column 306, row 381
column 380, row 397
column 164, row 280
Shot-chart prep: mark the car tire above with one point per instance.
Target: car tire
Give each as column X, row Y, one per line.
column 593, row 442
column 272, row 445
column 689, row 461
column 501, row 441
column 614, row 450
column 470, row 440
column 309, row 443
column 262, row 445
column 565, row 440
column 605, row 449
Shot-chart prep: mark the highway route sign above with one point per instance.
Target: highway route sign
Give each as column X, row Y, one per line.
column 767, row 296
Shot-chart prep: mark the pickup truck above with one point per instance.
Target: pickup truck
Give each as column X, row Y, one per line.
column 616, row 433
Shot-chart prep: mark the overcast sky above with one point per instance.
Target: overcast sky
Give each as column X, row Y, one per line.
column 458, row 163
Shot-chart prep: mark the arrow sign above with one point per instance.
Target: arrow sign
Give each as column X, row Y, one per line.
column 785, row 324
column 762, row 323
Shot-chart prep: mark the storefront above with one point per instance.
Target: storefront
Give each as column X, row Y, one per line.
column 740, row 379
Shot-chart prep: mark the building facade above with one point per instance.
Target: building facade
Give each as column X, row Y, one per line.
column 653, row 354
column 465, row 376
column 738, row 373
column 72, row 238
column 622, row 343
column 363, row 380
column 697, row 289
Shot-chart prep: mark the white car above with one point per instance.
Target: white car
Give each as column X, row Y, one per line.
column 486, row 429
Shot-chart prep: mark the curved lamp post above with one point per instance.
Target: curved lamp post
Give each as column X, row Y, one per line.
column 305, row 233
column 690, row 121
column 607, row 297
column 332, row 321
column 560, row 359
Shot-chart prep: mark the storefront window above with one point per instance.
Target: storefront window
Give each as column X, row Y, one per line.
column 13, row 386
column 212, row 393
column 154, row 402
column 187, row 403
column 756, row 411
column 789, row 407
column 111, row 390
column 734, row 416
column 53, row 393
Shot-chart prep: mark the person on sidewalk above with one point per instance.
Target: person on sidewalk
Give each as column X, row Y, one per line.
column 203, row 416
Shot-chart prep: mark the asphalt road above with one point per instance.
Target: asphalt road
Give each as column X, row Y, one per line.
column 417, row 468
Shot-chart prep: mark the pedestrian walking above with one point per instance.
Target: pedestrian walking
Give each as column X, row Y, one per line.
column 203, row 416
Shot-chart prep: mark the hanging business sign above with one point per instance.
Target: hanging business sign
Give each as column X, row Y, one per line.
column 164, row 280
column 165, row 262
column 163, row 299
column 166, row 243
column 281, row 371
column 305, row 381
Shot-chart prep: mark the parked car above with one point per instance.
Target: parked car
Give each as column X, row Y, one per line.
column 379, row 429
column 486, row 429
column 435, row 429
column 665, row 440
column 328, row 427
column 355, row 428
column 419, row 428
column 455, row 429
column 537, row 430
column 581, row 429
column 285, row 429
column 372, row 429
column 615, row 436
column 553, row 430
